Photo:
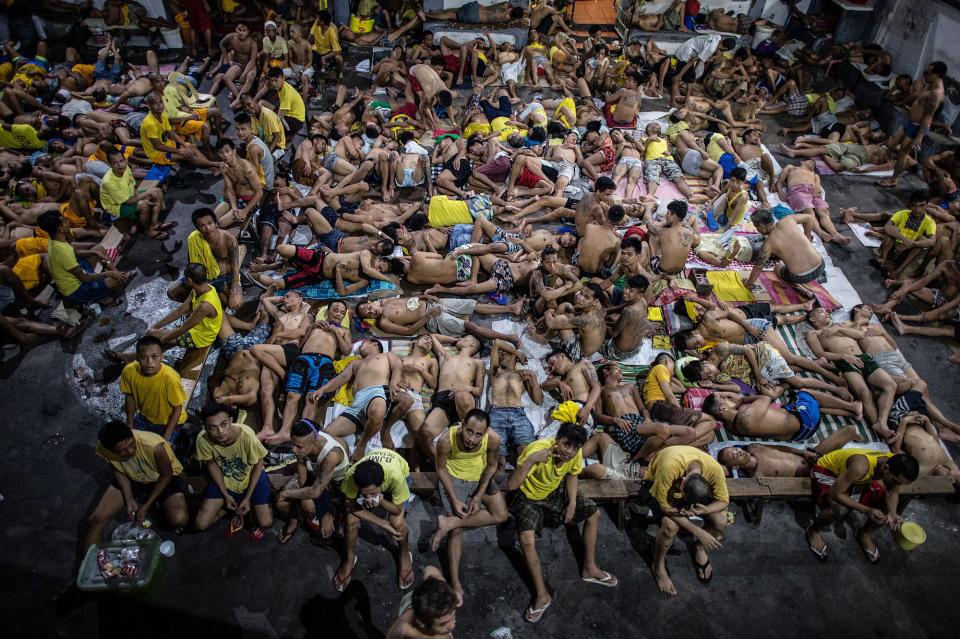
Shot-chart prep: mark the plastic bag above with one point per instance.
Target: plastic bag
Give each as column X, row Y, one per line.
column 132, row 531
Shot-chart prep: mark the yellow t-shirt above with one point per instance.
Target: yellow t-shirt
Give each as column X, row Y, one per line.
column 237, row 460
column 142, row 467
column 114, row 191
column 155, row 129
column 836, row 462
column 560, row 117
column 62, row 259
column 656, row 149
column 31, row 246
column 467, row 466
column 27, row 269
column 674, row 130
column 172, row 102
column 324, row 41
column 737, row 207
column 291, row 103
column 267, row 124
column 500, row 125
column 669, row 466
column 199, row 251
column 714, row 150
column 395, row 474
column 20, row 136
column 911, row 229
column 156, row 396
column 443, row 211
column 276, row 48
column 545, row 477
column 651, row 386
column 205, row 332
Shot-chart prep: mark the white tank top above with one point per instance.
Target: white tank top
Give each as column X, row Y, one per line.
column 329, row 444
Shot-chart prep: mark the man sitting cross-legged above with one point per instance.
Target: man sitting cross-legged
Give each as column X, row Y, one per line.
column 684, row 482
column 466, row 463
column 371, row 375
column 376, row 492
column 546, row 481
column 875, row 478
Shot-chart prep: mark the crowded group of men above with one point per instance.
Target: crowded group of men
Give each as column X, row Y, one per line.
column 442, row 187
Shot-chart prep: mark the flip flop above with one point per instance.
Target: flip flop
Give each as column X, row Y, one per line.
column 533, row 616
column 403, row 578
column 341, row 583
column 257, row 534
column 499, row 298
column 284, row 535
column 702, row 570
column 234, row 529
column 873, row 556
column 160, row 236
column 607, row 582
column 821, row 553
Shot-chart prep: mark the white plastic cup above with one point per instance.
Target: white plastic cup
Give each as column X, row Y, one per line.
column 167, row 548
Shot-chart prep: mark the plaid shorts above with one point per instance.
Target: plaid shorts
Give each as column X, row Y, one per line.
column 528, row 513
column 798, row 104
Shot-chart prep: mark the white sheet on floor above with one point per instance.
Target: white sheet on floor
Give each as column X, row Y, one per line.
column 860, row 230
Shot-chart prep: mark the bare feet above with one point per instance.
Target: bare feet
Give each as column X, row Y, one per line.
column 847, row 214
column 663, row 580
column 787, row 151
column 858, row 411
column 809, row 304
column 443, row 527
column 897, row 323
column 955, row 358
column 282, row 437
column 840, row 239
column 517, row 307
column 888, row 183
column 265, row 434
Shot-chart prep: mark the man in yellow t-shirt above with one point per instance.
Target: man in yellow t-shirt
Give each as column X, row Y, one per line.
column 467, row 459
column 119, row 197
column 684, row 481
column 377, row 489
column 163, row 145
column 153, row 392
column 290, row 107
column 545, row 480
column 202, row 305
column 658, row 396
column 908, row 233
column 267, row 125
column 233, row 457
column 145, row 472
column 73, row 274
column 326, row 44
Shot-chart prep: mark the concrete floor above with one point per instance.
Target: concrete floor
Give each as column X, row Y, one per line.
column 766, row 581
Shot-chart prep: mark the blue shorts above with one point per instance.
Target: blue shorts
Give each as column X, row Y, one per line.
column 260, row 496
column 469, row 13
column 6, row 297
column 807, row 410
column 513, row 426
column 237, row 342
column 309, row 372
column 140, row 423
column 221, row 282
column 728, row 163
column 503, row 109
column 911, row 129
column 762, row 325
column 89, row 292
column 460, row 234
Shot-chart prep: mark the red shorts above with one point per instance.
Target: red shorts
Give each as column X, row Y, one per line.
column 414, row 83
column 451, row 62
column 870, row 495
column 309, row 265
column 528, row 179
column 408, row 109
column 540, row 71
column 197, row 16
column 613, row 124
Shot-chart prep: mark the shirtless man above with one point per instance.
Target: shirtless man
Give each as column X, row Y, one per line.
column 592, row 206
column 940, row 288
column 920, row 439
column 506, row 389
column 291, row 321
column 756, row 416
column 838, row 345
column 600, row 244
column 225, row 251
column 671, row 19
column 799, row 187
column 671, row 244
column 237, row 51
column 581, row 325
column 418, row 369
column 476, row 13
column 459, row 387
column 627, row 422
column 407, row 315
column 239, row 382
column 326, row 341
column 80, row 209
column 577, row 382
column 372, row 376
column 431, row 612
column 242, row 190
column 789, row 240
column 315, row 265
column 551, row 282
column 842, row 156
column 623, row 105
column 757, row 159
column 629, row 161
column 301, row 60
column 625, row 337
column 909, row 137
column 426, row 82
column 771, row 460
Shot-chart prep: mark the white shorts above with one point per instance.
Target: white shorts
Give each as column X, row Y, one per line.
column 417, row 401
column 630, row 162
